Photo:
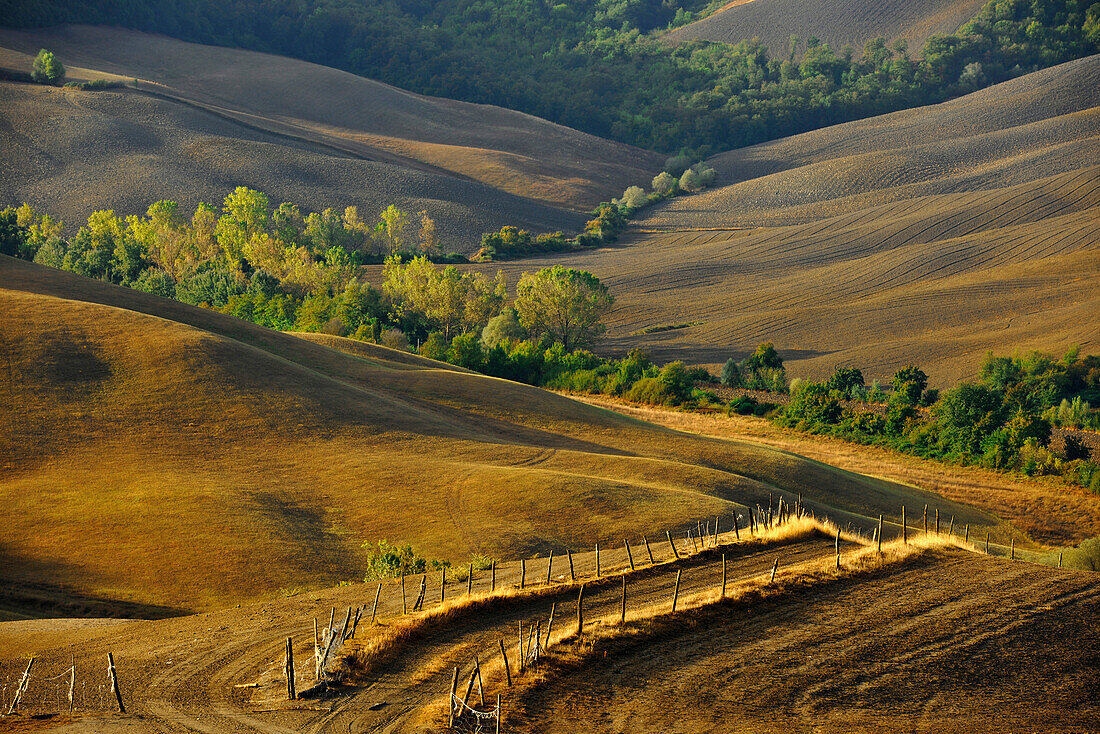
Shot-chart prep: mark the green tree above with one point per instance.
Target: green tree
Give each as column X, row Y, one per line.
column 765, row 357
column 731, row 375
column 47, row 68
column 909, row 384
column 565, row 304
column 502, row 328
column 664, row 184
column 13, row 238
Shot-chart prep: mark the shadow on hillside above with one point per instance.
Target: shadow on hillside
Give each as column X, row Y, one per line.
column 23, row 598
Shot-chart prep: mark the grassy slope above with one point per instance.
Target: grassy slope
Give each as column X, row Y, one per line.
column 163, row 454
column 926, row 236
column 299, row 131
column 774, row 21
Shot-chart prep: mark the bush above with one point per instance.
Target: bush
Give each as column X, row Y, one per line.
column 731, row 375
column 388, row 561
column 47, row 68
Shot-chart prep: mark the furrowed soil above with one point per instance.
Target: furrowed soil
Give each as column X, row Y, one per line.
column 926, row 237
column 854, row 23
column 201, row 120
column 950, row 642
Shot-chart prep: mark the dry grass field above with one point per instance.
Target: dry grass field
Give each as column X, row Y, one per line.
column 203, row 120
column 927, row 236
column 836, row 23
column 185, row 460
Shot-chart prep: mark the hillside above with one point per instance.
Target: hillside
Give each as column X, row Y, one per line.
column 204, row 119
column 838, row 24
column 928, row 236
column 186, row 459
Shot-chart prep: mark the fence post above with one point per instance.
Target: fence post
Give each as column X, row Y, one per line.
column 723, row 577
column 880, row 534
column 1012, row 550
column 451, row 700
column 966, row 538
column 622, row 615
column 498, row 714
column 951, row 527
column 987, row 541
column 648, row 550
column 550, row 623
column 442, row 586
column 469, row 688
column 522, row 657
column 72, row 680
column 668, row 534
column 289, row 665
column 775, row 567
column 1059, row 566
column 480, row 686
column 549, row 567
column 470, row 581
column 937, row 521
column 522, row 573
column 925, row 519
column 493, row 587
column 404, row 602
column 716, row 518
column 676, row 590
column 22, row 686
column 114, row 682
column 904, row 527
column 629, row 555
column 572, row 575
column 317, row 642
column 837, row 548
column 597, row 559
column 736, row 532
column 580, row 611
column 507, row 670
column 373, row 611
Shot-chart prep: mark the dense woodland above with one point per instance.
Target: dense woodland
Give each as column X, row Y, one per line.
column 600, row 66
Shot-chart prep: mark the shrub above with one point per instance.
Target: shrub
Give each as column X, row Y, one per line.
column 387, row 561
column 731, row 375
column 394, row 339
column 47, row 68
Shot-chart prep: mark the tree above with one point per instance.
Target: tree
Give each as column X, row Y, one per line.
column 765, row 357
column 429, row 241
column 731, row 376
column 394, row 222
column 634, row 197
column 845, row 380
column 566, row 304
column 13, row 238
column 909, row 384
column 450, row 300
column 47, row 68
column 664, row 184
column 503, row 327
column 690, row 182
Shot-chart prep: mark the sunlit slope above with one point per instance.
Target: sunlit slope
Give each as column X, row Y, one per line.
column 928, row 236
column 837, row 23
column 203, row 118
column 164, row 454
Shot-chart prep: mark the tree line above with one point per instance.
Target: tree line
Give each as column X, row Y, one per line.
column 601, row 66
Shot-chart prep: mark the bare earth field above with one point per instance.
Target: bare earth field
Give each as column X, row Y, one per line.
column 927, row 236
column 184, row 460
column 774, row 21
column 201, row 120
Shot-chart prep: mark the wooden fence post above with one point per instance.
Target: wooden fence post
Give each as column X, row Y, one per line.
column 480, row 686
column 716, row 518
column 580, row 611
column 622, row 614
column 72, row 680
column 317, row 643
column 925, row 519
column 451, row 700
column 572, row 575
column 549, row 567
column 597, row 559
column 1012, row 550
column 493, row 587
column 114, row 682
column 498, row 714
column 736, row 532
column 951, row 527
column 904, row 527
column 373, row 611
column 522, row 573
column 966, row 538
column 723, row 596
column 880, row 533
column 550, row 623
column 470, row 581
column 22, row 687
column 288, row 664
column 469, row 687
column 937, row 521
column 676, row 590
column 442, row 586
column 522, row 657
column 1059, row 566
column 629, row 555
column 507, row 670
column 775, row 567
column 837, row 548
column 332, row 619
column 668, row 534
column 347, row 623
column 648, row 550
column 404, row 602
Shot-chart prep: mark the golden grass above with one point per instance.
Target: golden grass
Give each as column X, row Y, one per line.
column 157, row 453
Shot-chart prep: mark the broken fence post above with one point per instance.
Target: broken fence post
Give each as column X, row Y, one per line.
column 507, row 670
column 114, row 682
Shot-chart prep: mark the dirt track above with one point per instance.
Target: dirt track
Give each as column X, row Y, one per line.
column 183, row 672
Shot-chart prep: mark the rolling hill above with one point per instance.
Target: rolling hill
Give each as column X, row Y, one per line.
column 200, row 120
column 838, row 24
column 927, row 236
column 164, row 455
